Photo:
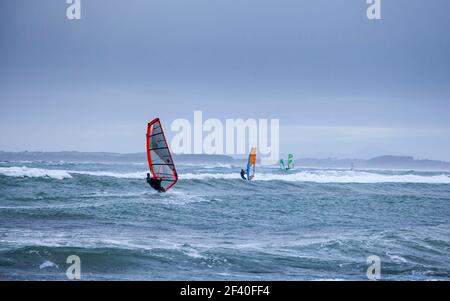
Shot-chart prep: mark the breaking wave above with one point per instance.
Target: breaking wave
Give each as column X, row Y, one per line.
column 63, row 174
column 34, row 172
column 330, row 176
column 317, row 176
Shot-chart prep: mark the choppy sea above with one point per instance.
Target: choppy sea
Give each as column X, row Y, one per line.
column 305, row 224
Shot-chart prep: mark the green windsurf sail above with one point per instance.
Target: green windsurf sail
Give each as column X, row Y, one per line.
column 290, row 161
column 282, row 167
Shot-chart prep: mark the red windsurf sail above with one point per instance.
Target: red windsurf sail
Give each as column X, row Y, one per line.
column 160, row 160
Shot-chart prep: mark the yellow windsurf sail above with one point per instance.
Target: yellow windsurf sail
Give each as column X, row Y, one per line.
column 251, row 165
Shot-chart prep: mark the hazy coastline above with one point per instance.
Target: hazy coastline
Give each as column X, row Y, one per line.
column 380, row 162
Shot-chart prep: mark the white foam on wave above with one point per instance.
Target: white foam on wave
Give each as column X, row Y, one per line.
column 63, row 174
column 34, row 172
column 396, row 258
column 219, row 165
column 206, row 176
column 206, row 165
column 330, row 176
column 48, row 264
column 339, row 176
column 127, row 175
column 317, row 176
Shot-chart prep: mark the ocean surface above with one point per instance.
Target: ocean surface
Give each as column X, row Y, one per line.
column 305, row 224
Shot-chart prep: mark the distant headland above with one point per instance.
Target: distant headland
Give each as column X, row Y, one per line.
column 395, row 162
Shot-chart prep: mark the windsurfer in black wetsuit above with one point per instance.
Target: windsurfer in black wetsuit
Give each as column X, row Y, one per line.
column 243, row 174
column 155, row 183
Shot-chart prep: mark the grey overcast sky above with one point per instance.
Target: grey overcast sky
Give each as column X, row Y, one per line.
column 340, row 84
